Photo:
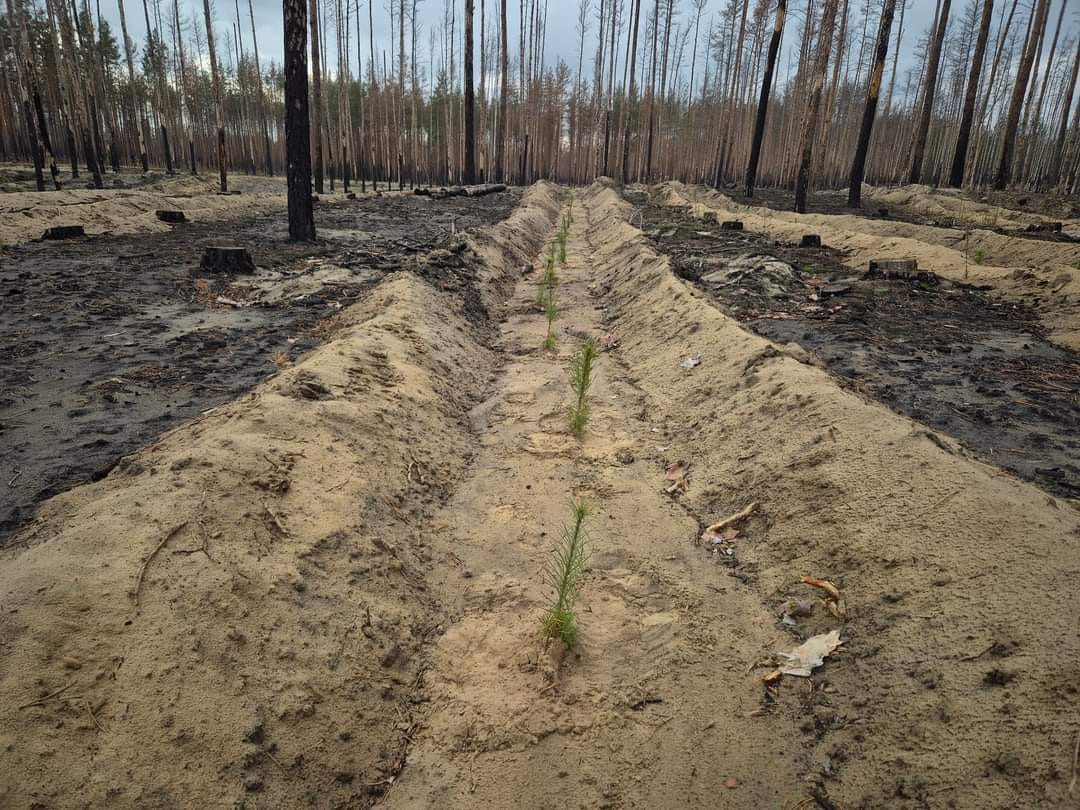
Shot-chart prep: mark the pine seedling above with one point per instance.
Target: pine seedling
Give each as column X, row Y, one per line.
column 551, row 312
column 562, row 245
column 581, row 370
column 564, row 572
column 547, row 283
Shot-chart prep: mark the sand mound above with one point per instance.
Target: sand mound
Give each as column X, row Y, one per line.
column 24, row 215
column 238, row 609
column 955, row 684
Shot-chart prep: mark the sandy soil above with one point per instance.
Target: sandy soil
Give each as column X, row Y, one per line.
column 114, row 339
column 970, row 363
column 129, row 208
column 336, row 601
column 1042, row 274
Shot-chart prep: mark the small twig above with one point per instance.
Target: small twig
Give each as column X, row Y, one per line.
column 732, row 519
column 277, row 521
column 47, row 697
column 273, row 759
column 1076, row 760
column 414, row 463
column 14, row 478
column 142, row 571
column 90, row 711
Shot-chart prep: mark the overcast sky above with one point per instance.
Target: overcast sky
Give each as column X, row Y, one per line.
column 562, row 36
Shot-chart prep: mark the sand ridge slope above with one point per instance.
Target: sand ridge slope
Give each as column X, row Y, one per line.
column 956, row 687
column 234, row 616
column 1042, row 274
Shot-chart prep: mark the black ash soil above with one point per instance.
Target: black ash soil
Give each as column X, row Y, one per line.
column 835, row 202
column 951, row 356
column 113, row 340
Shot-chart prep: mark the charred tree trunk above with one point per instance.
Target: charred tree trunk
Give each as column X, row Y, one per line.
column 268, row 154
column 809, row 124
column 873, row 90
column 135, row 99
column 500, row 138
column 922, row 127
column 763, row 100
column 470, row 99
column 631, row 95
column 963, row 136
column 1012, row 119
column 297, row 124
column 317, row 93
column 219, row 102
column 1063, row 127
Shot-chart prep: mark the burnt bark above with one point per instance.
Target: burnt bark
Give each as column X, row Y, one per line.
column 1012, row 119
column 810, row 116
column 963, row 136
column 922, row 127
column 763, row 99
column 873, row 90
column 470, row 99
column 297, row 124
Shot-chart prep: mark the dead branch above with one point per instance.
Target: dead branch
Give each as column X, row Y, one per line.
column 733, row 519
column 47, row 697
column 142, row 571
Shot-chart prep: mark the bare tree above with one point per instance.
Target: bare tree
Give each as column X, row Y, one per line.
column 1012, row 118
column 504, row 57
column 763, row 99
column 922, row 127
column 963, row 136
column 470, row 99
column 810, row 115
column 873, row 90
column 297, row 125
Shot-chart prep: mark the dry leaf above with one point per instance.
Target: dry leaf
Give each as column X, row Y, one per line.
column 809, row 655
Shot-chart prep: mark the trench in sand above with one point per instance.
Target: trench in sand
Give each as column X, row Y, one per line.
column 363, row 626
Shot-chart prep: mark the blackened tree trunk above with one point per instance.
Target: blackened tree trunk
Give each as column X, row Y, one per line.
column 763, row 100
column 219, row 102
column 470, row 99
column 317, row 91
column 135, row 98
column 631, row 95
column 1012, row 119
column 1063, row 127
column 297, row 125
column 269, row 157
column 500, row 138
column 963, row 137
column 873, row 90
column 810, row 116
column 922, row 126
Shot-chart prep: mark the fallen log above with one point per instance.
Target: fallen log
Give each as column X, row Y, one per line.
column 484, row 189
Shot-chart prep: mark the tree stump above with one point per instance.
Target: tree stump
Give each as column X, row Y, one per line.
column 221, row 259
column 900, row 269
column 64, row 232
column 731, row 225
column 172, row 217
column 810, row 240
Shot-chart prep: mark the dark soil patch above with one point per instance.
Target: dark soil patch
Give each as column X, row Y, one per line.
column 949, row 355
column 113, row 340
column 835, row 202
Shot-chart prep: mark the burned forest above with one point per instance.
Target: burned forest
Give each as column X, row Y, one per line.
column 540, row 403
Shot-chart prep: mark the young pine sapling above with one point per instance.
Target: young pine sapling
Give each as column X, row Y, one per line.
column 581, row 370
column 565, row 573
